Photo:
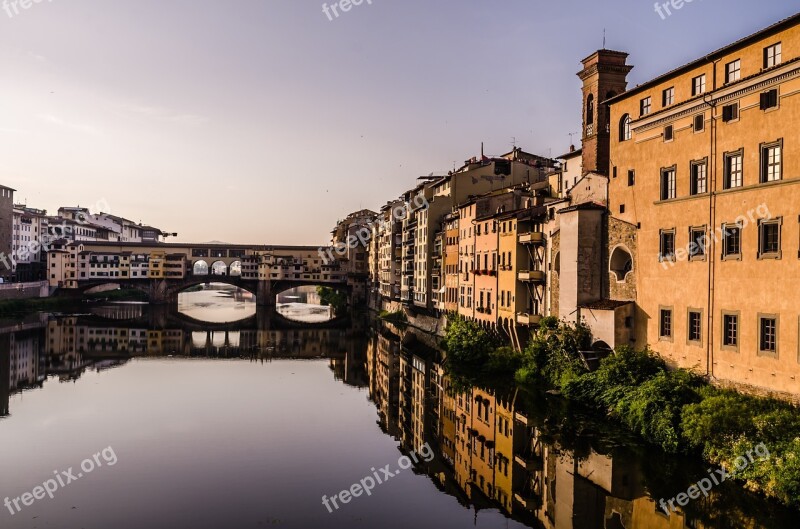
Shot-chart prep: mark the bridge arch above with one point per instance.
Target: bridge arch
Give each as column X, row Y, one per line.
column 200, row 268
column 218, row 268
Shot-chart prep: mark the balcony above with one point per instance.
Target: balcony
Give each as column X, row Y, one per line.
column 532, row 237
column 529, row 462
column 533, row 276
column 530, row 320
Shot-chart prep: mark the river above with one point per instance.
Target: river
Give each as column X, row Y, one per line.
column 131, row 416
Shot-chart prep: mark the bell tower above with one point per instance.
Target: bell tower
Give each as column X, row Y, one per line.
column 604, row 76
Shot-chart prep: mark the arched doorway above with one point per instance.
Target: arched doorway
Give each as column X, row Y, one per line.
column 200, row 268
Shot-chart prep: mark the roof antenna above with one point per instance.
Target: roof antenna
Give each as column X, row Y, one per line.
column 604, row 38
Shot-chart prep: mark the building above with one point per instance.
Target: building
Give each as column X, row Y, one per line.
column 6, row 232
column 706, row 181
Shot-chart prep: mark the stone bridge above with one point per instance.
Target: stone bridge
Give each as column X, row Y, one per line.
column 163, row 270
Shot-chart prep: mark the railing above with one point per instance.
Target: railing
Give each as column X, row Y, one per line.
column 533, row 237
column 535, row 276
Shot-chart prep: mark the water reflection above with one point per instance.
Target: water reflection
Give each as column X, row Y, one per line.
column 303, row 304
column 534, row 459
column 217, row 303
column 503, row 457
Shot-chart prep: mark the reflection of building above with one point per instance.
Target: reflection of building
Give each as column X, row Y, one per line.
column 5, row 373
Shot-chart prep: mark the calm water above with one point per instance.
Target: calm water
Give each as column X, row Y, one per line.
column 251, row 424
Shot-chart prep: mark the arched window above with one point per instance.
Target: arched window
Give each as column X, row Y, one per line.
column 590, row 109
column 621, row 263
column 625, row 128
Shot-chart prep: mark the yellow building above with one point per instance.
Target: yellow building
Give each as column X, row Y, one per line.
column 705, row 170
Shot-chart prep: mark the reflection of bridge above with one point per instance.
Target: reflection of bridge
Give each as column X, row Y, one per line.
column 162, row 271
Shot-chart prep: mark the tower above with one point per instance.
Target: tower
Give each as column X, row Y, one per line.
column 604, row 76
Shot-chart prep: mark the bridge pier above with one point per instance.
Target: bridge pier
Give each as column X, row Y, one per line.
column 264, row 296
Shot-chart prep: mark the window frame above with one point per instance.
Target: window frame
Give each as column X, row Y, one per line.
column 726, row 166
column 733, row 118
column 699, row 85
column 767, row 102
column 645, row 106
column 625, row 129
column 733, row 74
column 693, row 243
column 674, row 187
column 731, row 256
column 689, row 340
column 777, row 58
column 767, row 352
column 694, row 165
column 667, row 257
column 631, row 177
column 668, row 97
column 662, row 310
column 669, row 133
column 723, row 338
column 701, row 119
column 778, row 221
column 764, row 162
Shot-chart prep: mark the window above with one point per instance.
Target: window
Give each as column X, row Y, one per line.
column 590, row 109
column 769, row 99
column 731, row 241
column 733, row 71
column 769, row 239
column 699, row 122
column 695, row 325
column 665, row 323
column 730, row 330
column 669, row 133
column 733, row 171
column 668, row 97
column 668, row 189
column 772, row 55
column 699, row 175
column 625, row 128
column 622, row 208
column 768, row 335
column 771, row 161
column 697, row 243
column 730, row 112
column 699, row 85
column 644, row 106
column 667, row 245
column 631, row 177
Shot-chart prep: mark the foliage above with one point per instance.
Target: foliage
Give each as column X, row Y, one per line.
column 333, row 298
column 398, row 317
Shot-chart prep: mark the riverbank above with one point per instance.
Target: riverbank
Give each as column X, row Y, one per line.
column 21, row 307
column 674, row 409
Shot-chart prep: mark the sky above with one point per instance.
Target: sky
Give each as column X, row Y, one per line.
column 267, row 121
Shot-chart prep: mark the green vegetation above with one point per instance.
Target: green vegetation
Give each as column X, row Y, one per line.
column 398, row 317
column 333, row 298
column 675, row 409
column 475, row 357
column 672, row 408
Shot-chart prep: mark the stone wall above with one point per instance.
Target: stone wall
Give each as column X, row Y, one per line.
column 39, row 289
column 622, row 234
column 555, row 277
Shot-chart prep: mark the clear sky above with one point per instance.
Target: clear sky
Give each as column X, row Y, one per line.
column 262, row 121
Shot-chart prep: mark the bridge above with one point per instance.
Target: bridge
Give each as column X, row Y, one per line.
column 163, row 270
